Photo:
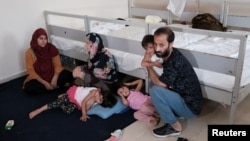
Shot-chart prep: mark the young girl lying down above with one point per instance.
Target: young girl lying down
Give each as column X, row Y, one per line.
column 133, row 97
column 78, row 97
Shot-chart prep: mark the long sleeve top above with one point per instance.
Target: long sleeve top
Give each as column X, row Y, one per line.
column 30, row 59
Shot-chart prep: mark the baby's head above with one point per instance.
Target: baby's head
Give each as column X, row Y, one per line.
column 82, row 76
column 148, row 43
column 123, row 90
column 78, row 72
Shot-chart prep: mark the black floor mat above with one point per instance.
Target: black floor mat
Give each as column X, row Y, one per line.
column 52, row 125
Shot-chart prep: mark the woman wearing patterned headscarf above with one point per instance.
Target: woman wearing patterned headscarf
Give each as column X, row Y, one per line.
column 43, row 65
column 101, row 62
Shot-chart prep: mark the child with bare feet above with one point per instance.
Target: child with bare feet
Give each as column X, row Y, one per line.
column 78, row 97
column 150, row 59
column 138, row 101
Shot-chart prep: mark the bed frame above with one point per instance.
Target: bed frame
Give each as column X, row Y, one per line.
column 233, row 20
column 126, row 45
column 143, row 12
column 232, row 67
column 111, row 42
column 194, row 7
column 238, row 22
column 224, row 66
column 67, row 32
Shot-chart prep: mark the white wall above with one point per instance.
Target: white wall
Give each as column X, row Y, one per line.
column 19, row 19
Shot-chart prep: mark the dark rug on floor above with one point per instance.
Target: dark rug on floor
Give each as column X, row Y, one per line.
column 52, row 125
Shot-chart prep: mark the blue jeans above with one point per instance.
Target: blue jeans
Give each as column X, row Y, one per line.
column 168, row 103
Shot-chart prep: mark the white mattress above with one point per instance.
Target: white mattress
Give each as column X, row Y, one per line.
column 215, row 45
column 224, row 47
column 184, row 39
column 202, row 43
column 124, row 59
column 104, row 27
column 68, row 44
column 129, row 32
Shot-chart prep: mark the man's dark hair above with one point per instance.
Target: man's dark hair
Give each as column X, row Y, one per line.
column 167, row 31
column 147, row 39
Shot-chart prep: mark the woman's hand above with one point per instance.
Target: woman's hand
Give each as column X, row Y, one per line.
column 48, row 86
column 100, row 73
column 53, row 82
column 93, row 50
column 89, row 64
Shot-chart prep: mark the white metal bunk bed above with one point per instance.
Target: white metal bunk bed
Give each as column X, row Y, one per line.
column 237, row 20
column 127, row 50
column 137, row 8
column 68, row 28
column 121, row 37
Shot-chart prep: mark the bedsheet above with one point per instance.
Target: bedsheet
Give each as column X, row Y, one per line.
column 226, row 47
column 183, row 39
column 68, row 44
column 124, row 59
column 212, row 45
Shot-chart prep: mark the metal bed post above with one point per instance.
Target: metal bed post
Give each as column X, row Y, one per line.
column 130, row 4
column 236, row 89
column 46, row 13
column 225, row 13
column 222, row 11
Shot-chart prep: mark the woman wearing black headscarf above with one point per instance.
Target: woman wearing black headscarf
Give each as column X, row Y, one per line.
column 101, row 62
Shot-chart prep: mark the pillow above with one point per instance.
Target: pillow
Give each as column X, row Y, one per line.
column 106, row 112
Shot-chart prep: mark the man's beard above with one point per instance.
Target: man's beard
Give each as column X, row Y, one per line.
column 164, row 54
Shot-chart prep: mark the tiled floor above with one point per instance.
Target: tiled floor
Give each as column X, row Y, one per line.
column 193, row 129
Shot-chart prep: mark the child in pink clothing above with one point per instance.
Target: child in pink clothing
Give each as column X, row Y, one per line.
column 78, row 97
column 138, row 101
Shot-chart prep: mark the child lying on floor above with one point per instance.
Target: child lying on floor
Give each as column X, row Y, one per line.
column 81, row 97
column 138, row 101
column 78, row 97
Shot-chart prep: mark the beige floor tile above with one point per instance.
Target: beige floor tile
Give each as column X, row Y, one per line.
column 193, row 129
column 200, row 137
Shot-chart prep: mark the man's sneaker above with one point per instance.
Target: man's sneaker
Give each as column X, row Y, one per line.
column 165, row 131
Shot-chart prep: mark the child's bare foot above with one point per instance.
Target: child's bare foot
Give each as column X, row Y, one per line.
column 154, row 120
column 37, row 111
